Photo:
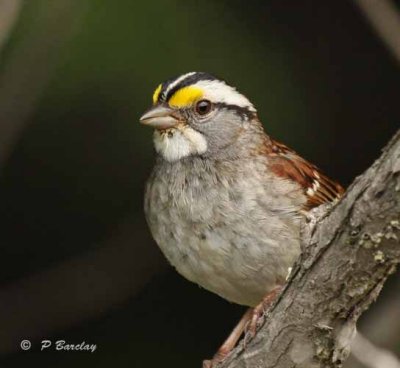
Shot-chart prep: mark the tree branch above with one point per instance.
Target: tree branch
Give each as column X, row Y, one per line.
column 381, row 326
column 348, row 253
column 371, row 355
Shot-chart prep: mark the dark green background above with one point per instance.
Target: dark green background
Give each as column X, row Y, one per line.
column 322, row 81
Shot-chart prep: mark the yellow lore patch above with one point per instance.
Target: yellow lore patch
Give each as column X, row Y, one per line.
column 185, row 96
column 156, row 94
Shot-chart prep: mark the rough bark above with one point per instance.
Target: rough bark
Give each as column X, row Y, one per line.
column 349, row 252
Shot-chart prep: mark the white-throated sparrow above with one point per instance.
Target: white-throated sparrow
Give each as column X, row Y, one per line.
column 225, row 202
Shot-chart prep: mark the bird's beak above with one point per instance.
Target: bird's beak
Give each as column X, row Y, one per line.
column 161, row 117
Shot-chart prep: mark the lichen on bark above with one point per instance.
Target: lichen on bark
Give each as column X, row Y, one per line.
column 348, row 253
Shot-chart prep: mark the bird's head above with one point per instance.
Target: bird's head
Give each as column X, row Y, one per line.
column 197, row 114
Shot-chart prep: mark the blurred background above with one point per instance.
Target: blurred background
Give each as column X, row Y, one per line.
column 77, row 261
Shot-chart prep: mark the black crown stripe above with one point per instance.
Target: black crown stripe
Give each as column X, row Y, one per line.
column 191, row 79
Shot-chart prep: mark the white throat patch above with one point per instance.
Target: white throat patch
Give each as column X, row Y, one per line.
column 177, row 143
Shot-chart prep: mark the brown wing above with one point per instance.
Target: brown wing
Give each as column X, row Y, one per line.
column 318, row 188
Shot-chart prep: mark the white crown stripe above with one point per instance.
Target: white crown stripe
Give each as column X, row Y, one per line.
column 176, row 82
column 218, row 91
column 215, row 90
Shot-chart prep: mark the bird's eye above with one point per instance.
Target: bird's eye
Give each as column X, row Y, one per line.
column 203, row 107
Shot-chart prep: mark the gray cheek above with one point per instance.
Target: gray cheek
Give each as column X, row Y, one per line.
column 220, row 129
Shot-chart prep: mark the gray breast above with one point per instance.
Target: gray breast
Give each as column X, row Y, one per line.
column 228, row 227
